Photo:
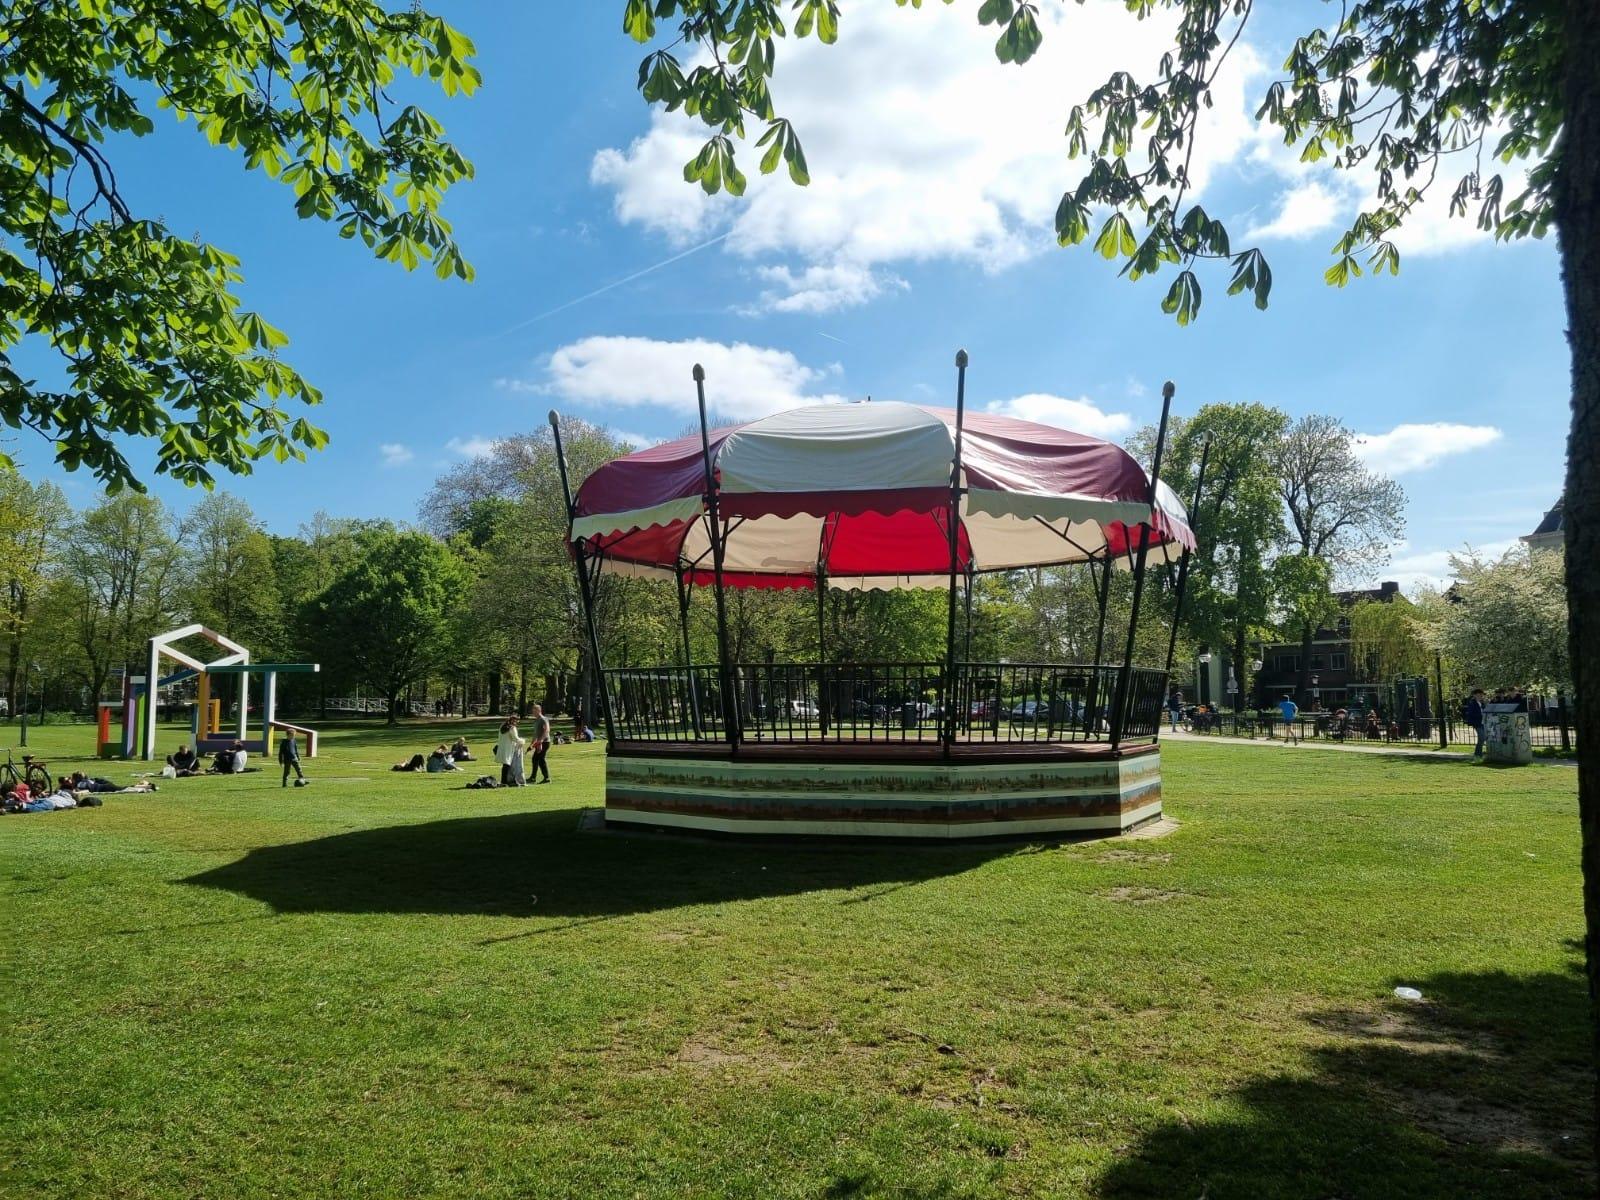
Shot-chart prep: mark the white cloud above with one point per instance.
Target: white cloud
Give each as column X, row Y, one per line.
column 393, row 454
column 1431, row 568
column 1080, row 416
column 820, row 289
column 1416, row 447
column 920, row 144
column 637, row 440
column 1306, row 208
column 475, row 446
column 742, row 381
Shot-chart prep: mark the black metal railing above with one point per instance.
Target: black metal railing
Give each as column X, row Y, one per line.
column 1357, row 730
column 885, row 703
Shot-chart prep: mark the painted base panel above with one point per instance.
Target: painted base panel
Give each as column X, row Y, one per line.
column 936, row 801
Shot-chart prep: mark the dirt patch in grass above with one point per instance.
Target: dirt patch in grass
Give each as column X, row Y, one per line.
column 1464, row 1120
column 1142, row 895
column 1139, row 857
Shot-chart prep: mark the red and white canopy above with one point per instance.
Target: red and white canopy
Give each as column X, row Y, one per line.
column 860, row 493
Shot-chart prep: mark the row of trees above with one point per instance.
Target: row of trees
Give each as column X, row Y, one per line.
column 1288, row 511
column 482, row 599
column 378, row 606
column 1502, row 623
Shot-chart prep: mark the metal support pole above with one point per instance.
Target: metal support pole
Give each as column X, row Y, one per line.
column 585, row 586
column 1439, row 700
column 972, row 576
column 822, row 648
column 730, row 702
column 1091, row 709
column 1119, row 716
column 685, row 585
column 1183, row 564
column 1566, row 732
column 953, row 529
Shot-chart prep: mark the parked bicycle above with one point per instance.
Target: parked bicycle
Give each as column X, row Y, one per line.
column 34, row 772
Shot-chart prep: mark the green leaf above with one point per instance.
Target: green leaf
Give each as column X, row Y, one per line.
column 638, row 22
column 993, row 12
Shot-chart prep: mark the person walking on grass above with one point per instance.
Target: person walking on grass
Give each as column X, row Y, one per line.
column 289, row 757
column 540, row 742
column 1472, row 714
column 1290, row 711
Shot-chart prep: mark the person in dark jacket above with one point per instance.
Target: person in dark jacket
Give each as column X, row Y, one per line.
column 289, row 756
column 1472, row 714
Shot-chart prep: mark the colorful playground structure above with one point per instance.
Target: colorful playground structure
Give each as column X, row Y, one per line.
column 140, row 700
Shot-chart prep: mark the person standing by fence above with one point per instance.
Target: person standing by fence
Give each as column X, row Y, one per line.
column 1175, row 708
column 1472, row 714
column 1290, row 711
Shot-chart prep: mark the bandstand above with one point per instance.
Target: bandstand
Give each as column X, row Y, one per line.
column 881, row 495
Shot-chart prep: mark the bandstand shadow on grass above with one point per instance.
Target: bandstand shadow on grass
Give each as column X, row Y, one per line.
column 881, row 496
column 535, row 864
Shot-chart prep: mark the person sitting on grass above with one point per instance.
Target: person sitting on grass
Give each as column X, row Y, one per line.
column 459, row 751
column 184, row 762
column 440, row 760
column 231, row 760
column 415, row 763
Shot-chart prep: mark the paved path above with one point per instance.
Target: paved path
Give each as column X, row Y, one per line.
column 1432, row 753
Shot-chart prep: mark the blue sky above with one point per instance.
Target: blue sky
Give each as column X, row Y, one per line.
column 926, row 228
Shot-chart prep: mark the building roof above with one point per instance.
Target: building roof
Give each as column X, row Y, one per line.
column 1385, row 593
column 1550, row 527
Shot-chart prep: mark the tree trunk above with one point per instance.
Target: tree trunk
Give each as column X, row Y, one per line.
column 1245, row 682
column 1577, row 206
column 394, row 705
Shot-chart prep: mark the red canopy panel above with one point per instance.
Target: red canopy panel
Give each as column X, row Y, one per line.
column 859, row 492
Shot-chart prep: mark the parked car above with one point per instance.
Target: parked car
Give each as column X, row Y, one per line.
column 866, row 710
column 1029, row 712
column 983, row 709
column 803, row 710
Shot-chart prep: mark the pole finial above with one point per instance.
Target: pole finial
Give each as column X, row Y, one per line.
column 961, row 358
column 699, row 373
column 554, row 419
column 1167, row 389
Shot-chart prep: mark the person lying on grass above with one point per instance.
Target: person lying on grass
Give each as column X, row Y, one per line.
column 85, row 785
column 79, row 782
column 415, row 763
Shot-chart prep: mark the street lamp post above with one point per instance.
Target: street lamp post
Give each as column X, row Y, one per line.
column 1316, row 694
column 27, row 671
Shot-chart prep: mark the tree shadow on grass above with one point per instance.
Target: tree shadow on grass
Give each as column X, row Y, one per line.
column 1485, row 1089
column 527, row 864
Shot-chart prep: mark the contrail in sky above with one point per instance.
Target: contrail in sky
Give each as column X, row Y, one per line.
column 600, row 291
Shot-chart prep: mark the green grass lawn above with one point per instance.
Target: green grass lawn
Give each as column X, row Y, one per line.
column 385, row 986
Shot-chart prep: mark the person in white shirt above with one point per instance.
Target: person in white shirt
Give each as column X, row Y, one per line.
column 508, row 753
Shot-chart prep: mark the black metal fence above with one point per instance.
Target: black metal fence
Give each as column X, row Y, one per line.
column 888, row 703
column 1417, row 731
